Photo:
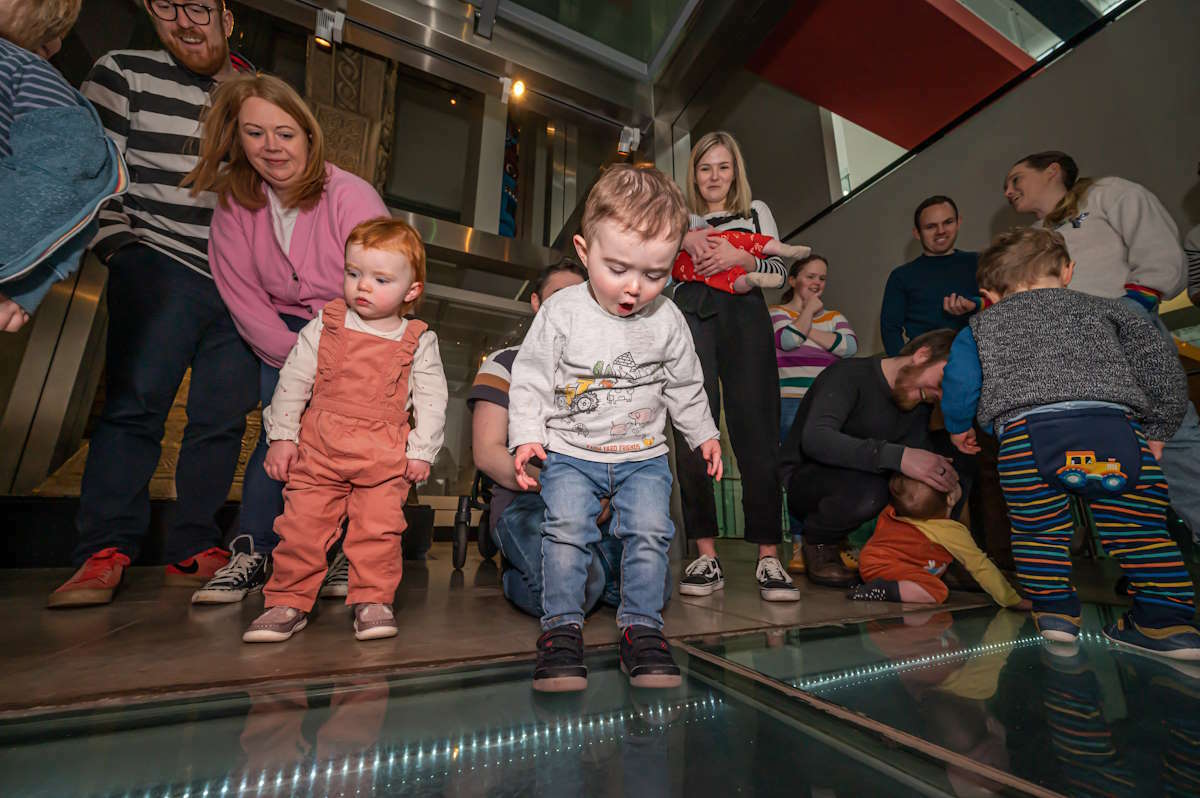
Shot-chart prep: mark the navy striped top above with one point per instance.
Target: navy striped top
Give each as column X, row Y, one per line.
column 27, row 83
column 151, row 106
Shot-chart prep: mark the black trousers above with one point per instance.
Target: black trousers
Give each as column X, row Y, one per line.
column 733, row 338
column 833, row 502
column 162, row 319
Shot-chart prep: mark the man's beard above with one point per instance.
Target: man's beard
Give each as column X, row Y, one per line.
column 902, row 391
column 207, row 64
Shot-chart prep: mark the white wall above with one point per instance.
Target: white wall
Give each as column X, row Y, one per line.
column 1127, row 102
column 865, row 153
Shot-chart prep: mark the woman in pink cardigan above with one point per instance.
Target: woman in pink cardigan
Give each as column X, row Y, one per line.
column 277, row 251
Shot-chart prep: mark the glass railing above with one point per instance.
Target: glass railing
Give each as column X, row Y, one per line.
column 864, row 157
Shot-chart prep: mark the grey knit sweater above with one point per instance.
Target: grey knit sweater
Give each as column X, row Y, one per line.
column 1056, row 345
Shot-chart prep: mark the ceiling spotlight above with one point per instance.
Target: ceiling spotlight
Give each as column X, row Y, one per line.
column 518, row 89
column 631, row 137
column 329, row 28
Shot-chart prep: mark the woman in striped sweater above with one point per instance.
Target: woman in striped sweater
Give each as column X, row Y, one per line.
column 808, row 338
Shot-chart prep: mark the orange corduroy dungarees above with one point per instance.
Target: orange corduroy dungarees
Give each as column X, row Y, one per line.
column 352, row 459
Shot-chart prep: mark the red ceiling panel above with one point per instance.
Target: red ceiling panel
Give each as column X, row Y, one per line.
column 899, row 68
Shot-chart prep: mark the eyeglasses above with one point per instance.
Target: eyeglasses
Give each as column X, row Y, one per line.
column 169, row 12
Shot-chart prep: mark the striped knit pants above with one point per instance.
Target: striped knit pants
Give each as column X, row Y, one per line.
column 1131, row 519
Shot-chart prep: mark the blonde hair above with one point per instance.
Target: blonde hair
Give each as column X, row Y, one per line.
column 223, row 165
column 1020, row 257
column 640, row 199
column 1076, row 186
column 737, row 201
column 32, row 23
column 393, row 235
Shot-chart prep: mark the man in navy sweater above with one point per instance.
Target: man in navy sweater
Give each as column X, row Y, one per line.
column 935, row 291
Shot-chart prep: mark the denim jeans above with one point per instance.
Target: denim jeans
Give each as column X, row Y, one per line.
column 518, row 535
column 262, row 497
column 788, row 405
column 640, row 498
column 1181, row 454
column 162, row 318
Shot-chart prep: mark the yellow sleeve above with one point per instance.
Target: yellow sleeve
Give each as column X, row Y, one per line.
column 956, row 539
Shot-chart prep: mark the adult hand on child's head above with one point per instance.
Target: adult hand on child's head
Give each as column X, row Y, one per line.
column 710, row 450
column 521, row 457
column 281, row 455
column 1156, row 448
column 934, row 470
column 957, row 305
column 965, row 442
column 12, row 316
column 416, row 471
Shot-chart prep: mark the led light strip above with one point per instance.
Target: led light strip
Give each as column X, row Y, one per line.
column 563, row 736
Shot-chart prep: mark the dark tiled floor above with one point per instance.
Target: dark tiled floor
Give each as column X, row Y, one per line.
column 151, row 640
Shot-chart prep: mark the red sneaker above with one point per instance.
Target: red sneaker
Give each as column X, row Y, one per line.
column 197, row 569
column 94, row 583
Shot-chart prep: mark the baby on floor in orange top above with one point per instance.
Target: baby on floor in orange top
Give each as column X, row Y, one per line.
column 341, row 435
column 737, row 280
column 915, row 541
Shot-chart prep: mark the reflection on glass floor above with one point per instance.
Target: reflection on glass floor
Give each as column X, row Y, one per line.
column 1093, row 720
column 473, row 732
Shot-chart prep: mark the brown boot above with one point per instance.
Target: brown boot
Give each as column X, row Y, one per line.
column 825, row 566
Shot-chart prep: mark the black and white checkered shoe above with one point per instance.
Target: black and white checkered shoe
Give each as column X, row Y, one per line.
column 246, row 572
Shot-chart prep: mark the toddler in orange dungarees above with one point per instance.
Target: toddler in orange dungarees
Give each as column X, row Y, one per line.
column 353, row 452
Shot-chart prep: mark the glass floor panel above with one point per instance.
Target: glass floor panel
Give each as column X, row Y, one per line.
column 1101, row 721
column 469, row 732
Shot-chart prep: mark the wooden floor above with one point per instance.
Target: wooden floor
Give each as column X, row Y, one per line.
column 152, row 641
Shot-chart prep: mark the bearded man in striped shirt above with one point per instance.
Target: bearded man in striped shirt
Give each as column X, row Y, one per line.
column 165, row 314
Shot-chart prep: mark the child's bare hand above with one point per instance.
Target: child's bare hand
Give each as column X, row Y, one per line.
column 281, row 455
column 416, row 471
column 965, row 442
column 521, row 457
column 711, row 451
column 1156, row 449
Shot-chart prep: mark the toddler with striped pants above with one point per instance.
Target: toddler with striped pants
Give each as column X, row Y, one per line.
column 1081, row 392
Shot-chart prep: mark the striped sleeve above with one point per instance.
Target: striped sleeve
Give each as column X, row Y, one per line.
column 42, row 87
column 787, row 337
column 768, row 227
column 1191, row 248
column 845, row 341
column 492, row 382
column 108, row 90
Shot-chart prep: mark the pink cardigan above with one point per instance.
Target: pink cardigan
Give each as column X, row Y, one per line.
column 258, row 281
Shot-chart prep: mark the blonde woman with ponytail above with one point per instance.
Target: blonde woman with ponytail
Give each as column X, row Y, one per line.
column 1125, row 246
column 1123, row 241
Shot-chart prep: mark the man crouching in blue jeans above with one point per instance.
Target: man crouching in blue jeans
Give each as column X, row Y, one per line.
column 602, row 364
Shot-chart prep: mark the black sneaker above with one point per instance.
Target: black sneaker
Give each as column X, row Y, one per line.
column 337, row 579
column 560, row 667
column 646, row 658
column 246, row 572
column 774, row 584
column 702, row 577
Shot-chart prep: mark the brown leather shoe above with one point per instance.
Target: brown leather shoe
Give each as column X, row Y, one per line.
column 825, row 566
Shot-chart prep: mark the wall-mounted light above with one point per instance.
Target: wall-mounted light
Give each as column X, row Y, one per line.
column 511, row 88
column 454, row 101
column 329, row 28
column 631, row 137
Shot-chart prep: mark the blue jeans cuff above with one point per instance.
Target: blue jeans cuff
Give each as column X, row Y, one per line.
column 563, row 620
column 624, row 621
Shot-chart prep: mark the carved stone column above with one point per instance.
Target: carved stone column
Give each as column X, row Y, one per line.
column 353, row 94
